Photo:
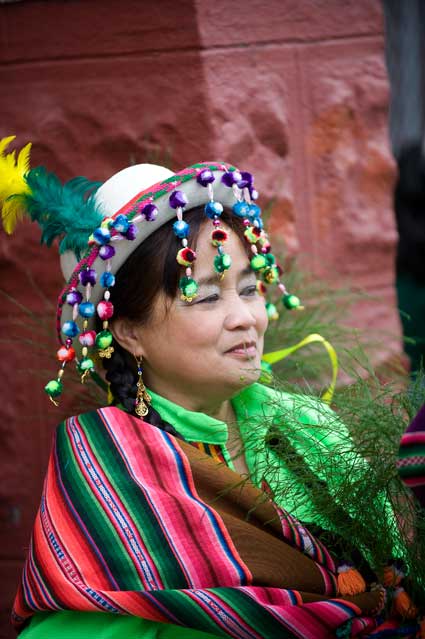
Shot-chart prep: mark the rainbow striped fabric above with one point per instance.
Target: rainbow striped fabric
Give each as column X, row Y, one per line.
column 411, row 456
column 135, row 522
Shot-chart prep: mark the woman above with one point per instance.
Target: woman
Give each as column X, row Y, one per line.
column 146, row 528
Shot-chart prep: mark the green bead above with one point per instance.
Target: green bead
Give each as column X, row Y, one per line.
column 272, row 312
column 270, row 275
column 258, row 262
column 104, row 339
column 222, row 262
column 270, row 259
column 291, row 301
column 54, row 388
column 188, row 287
column 86, row 364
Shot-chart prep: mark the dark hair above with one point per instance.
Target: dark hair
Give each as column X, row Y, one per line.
column 150, row 269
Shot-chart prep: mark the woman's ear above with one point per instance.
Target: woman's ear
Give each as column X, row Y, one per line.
column 127, row 334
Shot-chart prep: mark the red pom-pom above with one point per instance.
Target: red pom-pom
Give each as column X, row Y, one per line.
column 65, row 354
column 186, row 256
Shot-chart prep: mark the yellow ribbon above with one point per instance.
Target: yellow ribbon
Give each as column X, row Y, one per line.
column 277, row 356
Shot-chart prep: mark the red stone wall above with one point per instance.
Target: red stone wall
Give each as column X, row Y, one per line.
column 295, row 91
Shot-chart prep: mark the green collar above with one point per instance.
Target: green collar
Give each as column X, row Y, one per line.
column 198, row 427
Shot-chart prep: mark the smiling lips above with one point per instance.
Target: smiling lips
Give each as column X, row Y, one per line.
column 244, row 349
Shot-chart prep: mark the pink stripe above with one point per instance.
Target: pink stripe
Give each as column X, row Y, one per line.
column 191, row 513
column 114, row 508
column 409, row 439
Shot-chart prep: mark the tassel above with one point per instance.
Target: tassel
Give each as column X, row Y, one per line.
column 394, row 572
column 403, row 605
column 12, row 182
column 350, row 582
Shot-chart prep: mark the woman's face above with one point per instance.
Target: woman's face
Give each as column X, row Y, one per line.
column 211, row 347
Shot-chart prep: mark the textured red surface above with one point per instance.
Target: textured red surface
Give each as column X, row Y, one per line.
column 294, row 91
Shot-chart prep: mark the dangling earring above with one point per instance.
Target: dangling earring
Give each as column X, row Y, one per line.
column 143, row 399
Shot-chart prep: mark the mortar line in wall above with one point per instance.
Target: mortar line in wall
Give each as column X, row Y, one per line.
column 287, row 43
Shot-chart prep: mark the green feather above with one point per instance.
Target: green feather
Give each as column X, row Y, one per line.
column 67, row 211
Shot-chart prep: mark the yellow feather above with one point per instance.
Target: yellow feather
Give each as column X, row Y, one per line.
column 12, row 182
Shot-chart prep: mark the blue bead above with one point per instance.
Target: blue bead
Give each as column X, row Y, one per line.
column 181, row 229
column 86, row 309
column 70, row 329
column 101, row 235
column 254, row 211
column 213, row 209
column 121, row 223
column 107, row 279
column 241, row 209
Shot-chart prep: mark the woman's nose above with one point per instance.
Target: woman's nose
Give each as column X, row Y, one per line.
column 239, row 315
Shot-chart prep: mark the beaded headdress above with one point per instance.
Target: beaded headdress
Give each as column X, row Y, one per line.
column 99, row 226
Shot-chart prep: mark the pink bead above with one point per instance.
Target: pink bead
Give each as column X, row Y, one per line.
column 105, row 310
column 87, row 338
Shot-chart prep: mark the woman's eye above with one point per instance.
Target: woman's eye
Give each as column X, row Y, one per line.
column 249, row 290
column 209, row 299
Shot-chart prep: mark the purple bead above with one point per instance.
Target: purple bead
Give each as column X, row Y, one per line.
column 150, row 212
column 88, row 276
column 231, row 177
column 205, row 177
column 248, row 177
column 73, row 297
column 106, row 252
column 131, row 232
column 178, row 198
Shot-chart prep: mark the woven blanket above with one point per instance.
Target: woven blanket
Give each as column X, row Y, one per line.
column 133, row 521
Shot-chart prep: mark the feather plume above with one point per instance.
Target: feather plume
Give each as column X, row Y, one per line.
column 12, row 182
column 68, row 212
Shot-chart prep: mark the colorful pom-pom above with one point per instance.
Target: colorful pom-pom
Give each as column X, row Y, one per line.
column 394, row 572
column 54, row 388
column 186, row 256
column 181, row 229
column 291, row 301
column 131, row 232
column 70, row 329
column 121, row 223
column 106, row 252
column 403, row 605
column 222, row 262
column 86, row 364
column 241, row 209
column 270, row 274
column 74, row 297
column 349, row 580
column 252, row 234
column 105, row 310
column 86, row 309
column 258, row 262
column 65, row 354
column 178, row 199
column 87, row 338
column 272, row 312
column 87, row 276
column 219, row 236
column 213, row 209
column 231, row 177
column 205, row 177
column 254, row 211
column 107, row 279
column 101, row 235
column 150, row 211
column 104, row 339
column 189, row 288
